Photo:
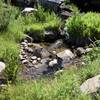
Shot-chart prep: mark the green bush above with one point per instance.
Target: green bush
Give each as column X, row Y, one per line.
column 83, row 27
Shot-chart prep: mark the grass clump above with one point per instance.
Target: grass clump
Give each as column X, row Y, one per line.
column 9, row 52
column 83, row 27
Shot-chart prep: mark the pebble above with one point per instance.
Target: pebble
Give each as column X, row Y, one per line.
column 23, row 53
column 21, row 57
column 54, row 52
column 30, row 44
column 25, row 41
column 30, row 50
column 34, row 62
column 34, row 58
column 38, row 59
column 53, row 62
column 25, row 61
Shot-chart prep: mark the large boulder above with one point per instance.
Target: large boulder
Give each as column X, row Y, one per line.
column 91, row 85
column 66, row 56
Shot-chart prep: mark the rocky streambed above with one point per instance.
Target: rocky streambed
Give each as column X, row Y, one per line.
column 39, row 59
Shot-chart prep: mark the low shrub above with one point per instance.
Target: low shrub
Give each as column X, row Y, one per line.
column 83, row 27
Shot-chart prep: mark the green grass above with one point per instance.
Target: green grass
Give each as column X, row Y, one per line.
column 64, row 86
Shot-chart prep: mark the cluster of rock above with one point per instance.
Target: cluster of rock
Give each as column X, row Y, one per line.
column 37, row 59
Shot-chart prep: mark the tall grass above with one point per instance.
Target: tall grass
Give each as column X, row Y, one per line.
column 64, row 86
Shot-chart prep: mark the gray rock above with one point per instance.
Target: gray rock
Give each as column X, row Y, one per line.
column 91, row 85
column 66, row 56
column 80, row 51
column 2, row 66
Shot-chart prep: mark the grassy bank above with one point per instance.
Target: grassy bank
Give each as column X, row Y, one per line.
column 64, row 86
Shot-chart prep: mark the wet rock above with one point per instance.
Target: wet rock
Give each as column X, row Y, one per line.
column 66, row 56
column 57, row 44
column 91, row 85
column 80, row 51
column 2, row 66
